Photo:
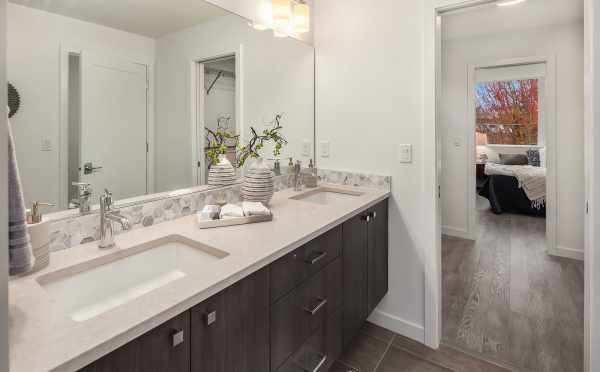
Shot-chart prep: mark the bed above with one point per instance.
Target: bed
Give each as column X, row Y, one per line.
column 515, row 189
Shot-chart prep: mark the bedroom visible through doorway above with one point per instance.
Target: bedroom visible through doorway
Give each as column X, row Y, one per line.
column 512, row 184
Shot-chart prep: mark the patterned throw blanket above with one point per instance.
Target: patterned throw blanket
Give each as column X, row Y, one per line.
column 531, row 179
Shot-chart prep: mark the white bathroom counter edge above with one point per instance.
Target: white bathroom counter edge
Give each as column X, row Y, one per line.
column 38, row 346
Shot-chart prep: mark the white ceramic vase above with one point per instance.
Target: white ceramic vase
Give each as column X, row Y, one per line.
column 258, row 183
column 222, row 173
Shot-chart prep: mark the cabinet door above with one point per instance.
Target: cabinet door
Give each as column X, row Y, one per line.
column 377, row 254
column 247, row 314
column 208, row 343
column 166, row 348
column 355, row 276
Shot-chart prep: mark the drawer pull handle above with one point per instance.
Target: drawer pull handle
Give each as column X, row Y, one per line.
column 210, row 318
column 319, row 364
column 319, row 256
column 314, row 310
column 177, row 338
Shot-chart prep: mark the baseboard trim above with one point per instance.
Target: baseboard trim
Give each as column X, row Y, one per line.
column 566, row 252
column 456, row 233
column 396, row 324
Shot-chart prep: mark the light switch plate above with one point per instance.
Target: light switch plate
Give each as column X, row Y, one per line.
column 405, row 153
column 324, row 149
column 306, row 148
column 46, row 144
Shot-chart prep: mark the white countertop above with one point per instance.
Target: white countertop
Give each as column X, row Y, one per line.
column 44, row 338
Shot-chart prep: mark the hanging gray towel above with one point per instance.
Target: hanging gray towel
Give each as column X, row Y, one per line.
column 19, row 246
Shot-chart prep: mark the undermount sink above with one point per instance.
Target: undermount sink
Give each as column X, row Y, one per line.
column 327, row 195
column 94, row 287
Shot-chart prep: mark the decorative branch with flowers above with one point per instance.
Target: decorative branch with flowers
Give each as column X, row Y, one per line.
column 219, row 140
column 257, row 141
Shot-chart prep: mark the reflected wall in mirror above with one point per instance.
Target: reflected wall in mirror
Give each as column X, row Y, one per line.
column 118, row 95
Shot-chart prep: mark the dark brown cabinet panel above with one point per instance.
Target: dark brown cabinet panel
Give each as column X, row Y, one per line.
column 247, row 316
column 163, row 349
column 208, row 339
column 355, row 276
column 295, row 267
column 365, row 255
column 300, row 313
column 377, row 254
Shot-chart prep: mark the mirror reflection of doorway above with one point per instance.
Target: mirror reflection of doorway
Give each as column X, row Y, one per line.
column 216, row 106
column 107, row 127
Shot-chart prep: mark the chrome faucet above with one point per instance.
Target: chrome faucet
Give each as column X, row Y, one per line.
column 297, row 176
column 107, row 217
column 84, row 194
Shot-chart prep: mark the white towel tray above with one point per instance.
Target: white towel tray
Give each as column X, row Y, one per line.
column 209, row 224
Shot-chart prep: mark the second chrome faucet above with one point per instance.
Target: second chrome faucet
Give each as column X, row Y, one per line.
column 107, row 217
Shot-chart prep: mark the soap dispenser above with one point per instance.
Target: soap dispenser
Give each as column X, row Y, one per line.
column 310, row 178
column 39, row 235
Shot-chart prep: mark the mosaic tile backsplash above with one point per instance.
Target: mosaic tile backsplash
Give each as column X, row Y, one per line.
column 70, row 232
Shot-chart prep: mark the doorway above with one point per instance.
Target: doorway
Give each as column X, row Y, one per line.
column 216, row 102
column 505, row 296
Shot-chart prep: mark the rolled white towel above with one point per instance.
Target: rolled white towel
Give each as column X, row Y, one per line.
column 231, row 211
column 255, row 209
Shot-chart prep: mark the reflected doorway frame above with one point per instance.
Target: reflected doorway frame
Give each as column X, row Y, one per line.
column 197, row 138
column 65, row 51
column 432, row 231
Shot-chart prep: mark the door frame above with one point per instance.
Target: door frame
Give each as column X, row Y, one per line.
column 197, row 107
column 550, row 140
column 63, row 131
column 432, row 221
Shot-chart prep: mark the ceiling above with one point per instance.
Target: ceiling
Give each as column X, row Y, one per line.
column 491, row 19
column 152, row 18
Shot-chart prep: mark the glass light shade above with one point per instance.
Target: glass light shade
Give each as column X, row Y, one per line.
column 301, row 18
column 282, row 11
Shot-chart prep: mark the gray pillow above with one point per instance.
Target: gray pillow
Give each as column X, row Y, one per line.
column 514, row 159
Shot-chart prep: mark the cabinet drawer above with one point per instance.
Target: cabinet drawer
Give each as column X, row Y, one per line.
column 292, row 269
column 320, row 350
column 303, row 311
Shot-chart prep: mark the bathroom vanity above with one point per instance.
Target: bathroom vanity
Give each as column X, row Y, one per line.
column 285, row 295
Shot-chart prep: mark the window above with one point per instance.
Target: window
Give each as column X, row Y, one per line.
column 508, row 106
column 507, row 112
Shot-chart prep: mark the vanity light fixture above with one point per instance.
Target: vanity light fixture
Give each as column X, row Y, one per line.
column 301, row 18
column 510, row 2
column 284, row 17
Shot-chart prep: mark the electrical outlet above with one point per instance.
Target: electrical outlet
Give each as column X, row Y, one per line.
column 306, row 147
column 405, row 153
column 324, row 149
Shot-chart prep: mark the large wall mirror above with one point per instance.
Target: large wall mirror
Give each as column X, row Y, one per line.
column 118, row 94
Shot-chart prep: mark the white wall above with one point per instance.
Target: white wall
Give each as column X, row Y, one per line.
column 277, row 76
column 564, row 41
column 34, row 39
column 369, row 99
column 3, row 200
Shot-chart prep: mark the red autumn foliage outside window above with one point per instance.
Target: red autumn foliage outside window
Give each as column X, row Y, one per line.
column 507, row 112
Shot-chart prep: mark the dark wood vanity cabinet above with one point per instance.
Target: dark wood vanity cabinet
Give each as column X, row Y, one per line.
column 365, row 241
column 297, row 314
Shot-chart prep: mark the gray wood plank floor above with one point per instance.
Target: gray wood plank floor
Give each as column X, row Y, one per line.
column 508, row 301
